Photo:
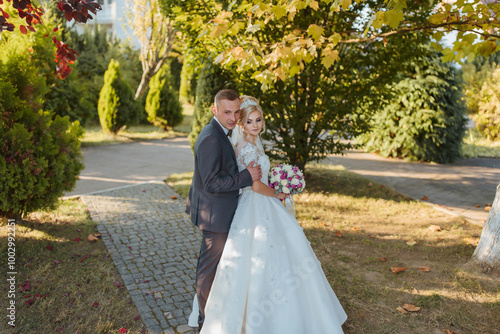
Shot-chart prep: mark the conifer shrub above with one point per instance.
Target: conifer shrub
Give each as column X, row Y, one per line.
column 212, row 79
column 162, row 102
column 117, row 106
column 40, row 151
column 425, row 120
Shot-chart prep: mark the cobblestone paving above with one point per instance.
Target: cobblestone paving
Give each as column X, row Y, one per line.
column 154, row 247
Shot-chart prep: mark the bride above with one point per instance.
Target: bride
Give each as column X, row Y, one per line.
column 268, row 279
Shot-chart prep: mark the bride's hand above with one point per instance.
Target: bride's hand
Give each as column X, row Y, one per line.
column 281, row 196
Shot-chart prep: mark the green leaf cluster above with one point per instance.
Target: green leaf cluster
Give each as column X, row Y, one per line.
column 162, row 102
column 425, row 119
column 117, row 106
column 40, row 152
column 212, row 78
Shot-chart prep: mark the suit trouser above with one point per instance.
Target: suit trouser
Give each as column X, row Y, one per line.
column 212, row 245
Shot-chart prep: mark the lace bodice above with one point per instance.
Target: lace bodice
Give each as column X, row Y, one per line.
column 246, row 153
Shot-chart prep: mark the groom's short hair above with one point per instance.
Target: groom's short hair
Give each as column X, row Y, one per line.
column 225, row 94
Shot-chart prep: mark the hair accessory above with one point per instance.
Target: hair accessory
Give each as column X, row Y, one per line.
column 249, row 102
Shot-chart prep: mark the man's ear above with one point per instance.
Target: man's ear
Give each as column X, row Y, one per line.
column 214, row 110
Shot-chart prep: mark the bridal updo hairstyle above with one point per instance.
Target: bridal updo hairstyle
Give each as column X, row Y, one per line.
column 249, row 104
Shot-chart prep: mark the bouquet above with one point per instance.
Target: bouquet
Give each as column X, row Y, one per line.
column 287, row 179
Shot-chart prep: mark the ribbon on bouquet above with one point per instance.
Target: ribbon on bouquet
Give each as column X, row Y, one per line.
column 290, row 205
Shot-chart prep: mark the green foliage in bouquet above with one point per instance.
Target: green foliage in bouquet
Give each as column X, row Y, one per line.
column 487, row 118
column 116, row 106
column 212, row 79
column 425, row 119
column 40, row 152
column 162, row 102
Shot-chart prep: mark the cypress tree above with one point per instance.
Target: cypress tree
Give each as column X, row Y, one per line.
column 116, row 106
column 211, row 80
column 162, row 102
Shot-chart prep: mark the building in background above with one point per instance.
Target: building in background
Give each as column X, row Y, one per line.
column 112, row 17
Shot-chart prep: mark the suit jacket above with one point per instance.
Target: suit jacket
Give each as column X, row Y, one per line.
column 214, row 191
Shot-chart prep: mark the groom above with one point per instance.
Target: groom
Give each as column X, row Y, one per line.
column 213, row 195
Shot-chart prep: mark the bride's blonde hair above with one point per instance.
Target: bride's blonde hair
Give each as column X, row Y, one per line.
column 249, row 104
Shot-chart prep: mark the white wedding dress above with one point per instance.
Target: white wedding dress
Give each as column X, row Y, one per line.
column 268, row 280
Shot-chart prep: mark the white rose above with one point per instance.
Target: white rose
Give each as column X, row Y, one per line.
column 295, row 181
column 286, row 190
column 284, row 182
column 287, row 168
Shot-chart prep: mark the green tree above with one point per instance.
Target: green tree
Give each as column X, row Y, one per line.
column 162, row 102
column 487, row 118
column 425, row 119
column 187, row 90
column 40, row 152
column 117, row 106
column 211, row 79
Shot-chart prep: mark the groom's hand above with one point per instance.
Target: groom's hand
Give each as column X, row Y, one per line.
column 255, row 171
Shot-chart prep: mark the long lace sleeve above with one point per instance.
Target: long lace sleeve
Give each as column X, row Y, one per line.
column 246, row 154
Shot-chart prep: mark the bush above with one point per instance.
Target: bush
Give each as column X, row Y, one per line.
column 487, row 118
column 116, row 106
column 212, row 79
column 40, row 151
column 162, row 101
column 188, row 79
column 426, row 118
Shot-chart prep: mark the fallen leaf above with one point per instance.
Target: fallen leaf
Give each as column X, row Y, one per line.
column 29, row 302
column 424, row 269
column 57, row 261
column 402, row 310
column 487, row 208
column 136, row 317
column 449, row 331
column 321, row 224
column 396, row 270
column 435, row 228
column 97, row 235
column 411, row 242
column 478, row 206
column 383, row 259
column 26, row 286
column 471, row 241
column 425, row 198
column 26, row 296
column 488, row 204
column 173, row 197
column 49, row 247
column 382, row 186
column 77, row 240
column 355, row 228
column 411, row 308
column 92, row 238
column 117, row 284
column 144, row 191
column 96, row 304
column 338, row 234
column 123, row 330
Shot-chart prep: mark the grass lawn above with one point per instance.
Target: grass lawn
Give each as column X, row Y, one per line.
column 94, row 136
column 360, row 230
column 474, row 146
column 65, row 284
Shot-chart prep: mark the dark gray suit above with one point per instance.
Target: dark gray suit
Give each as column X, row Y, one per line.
column 212, row 201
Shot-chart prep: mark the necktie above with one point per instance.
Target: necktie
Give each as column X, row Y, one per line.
column 229, row 133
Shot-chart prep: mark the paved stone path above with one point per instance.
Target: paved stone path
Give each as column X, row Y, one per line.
column 154, row 247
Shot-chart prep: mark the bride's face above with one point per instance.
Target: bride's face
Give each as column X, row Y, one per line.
column 254, row 123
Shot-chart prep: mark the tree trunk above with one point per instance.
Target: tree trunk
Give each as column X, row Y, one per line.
column 487, row 252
